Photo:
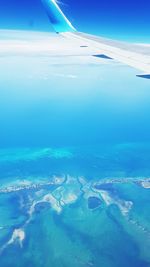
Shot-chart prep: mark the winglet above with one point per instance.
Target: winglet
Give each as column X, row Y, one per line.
column 57, row 18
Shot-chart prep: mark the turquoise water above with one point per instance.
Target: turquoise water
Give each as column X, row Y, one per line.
column 74, row 163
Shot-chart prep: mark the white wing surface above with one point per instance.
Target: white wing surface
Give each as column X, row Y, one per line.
column 134, row 55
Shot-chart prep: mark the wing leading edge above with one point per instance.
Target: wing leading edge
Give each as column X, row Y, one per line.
column 134, row 55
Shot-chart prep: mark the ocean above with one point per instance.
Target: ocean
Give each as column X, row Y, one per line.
column 74, row 163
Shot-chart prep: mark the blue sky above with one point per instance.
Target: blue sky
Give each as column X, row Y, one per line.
column 128, row 19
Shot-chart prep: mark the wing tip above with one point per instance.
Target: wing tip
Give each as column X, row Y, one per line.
column 144, row 76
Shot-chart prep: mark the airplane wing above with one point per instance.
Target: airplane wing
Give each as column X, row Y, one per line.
column 134, row 55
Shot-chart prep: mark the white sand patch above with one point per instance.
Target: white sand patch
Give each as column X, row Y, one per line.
column 53, row 201
column 123, row 205
column 18, row 235
column 69, row 198
column 58, row 180
column 145, row 184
